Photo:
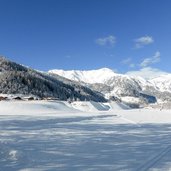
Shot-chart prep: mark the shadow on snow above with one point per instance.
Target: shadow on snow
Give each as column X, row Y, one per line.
column 75, row 144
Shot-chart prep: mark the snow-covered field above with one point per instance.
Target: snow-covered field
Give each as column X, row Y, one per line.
column 83, row 136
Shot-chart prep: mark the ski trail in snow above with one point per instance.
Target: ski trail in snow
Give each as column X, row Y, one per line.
column 128, row 120
column 151, row 162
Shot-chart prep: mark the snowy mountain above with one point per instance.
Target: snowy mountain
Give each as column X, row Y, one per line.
column 116, row 83
column 102, row 79
column 162, row 83
column 92, row 76
column 124, row 87
column 18, row 79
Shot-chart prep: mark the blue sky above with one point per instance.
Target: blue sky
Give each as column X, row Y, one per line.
column 123, row 35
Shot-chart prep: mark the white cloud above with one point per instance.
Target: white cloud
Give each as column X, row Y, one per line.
column 147, row 73
column 128, row 61
column 143, row 41
column 148, row 61
column 109, row 40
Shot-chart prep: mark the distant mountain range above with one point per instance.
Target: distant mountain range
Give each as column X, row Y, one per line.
column 129, row 89
column 107, row 76
column 97, row 85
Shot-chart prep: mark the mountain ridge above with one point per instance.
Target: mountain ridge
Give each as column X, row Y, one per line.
column 116, row 85
column 106, row 75
column 18, row 79
column 89, row 76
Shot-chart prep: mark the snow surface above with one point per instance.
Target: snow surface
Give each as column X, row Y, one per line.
column 91, row 106
column 43, row 135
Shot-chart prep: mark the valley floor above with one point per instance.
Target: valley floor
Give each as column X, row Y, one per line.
column 40, row 136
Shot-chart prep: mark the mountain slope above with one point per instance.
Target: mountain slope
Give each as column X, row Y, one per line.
column 18, row 79
column 91, row 76
column 162, row 83
column 114, row 85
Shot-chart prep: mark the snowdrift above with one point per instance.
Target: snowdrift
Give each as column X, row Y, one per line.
column 18, row 107
column 34, row 107
column 90, row 106
column 96, row 106
column 118, row 106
